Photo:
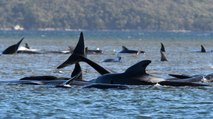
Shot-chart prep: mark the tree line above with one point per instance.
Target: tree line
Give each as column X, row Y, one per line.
column 149, row 15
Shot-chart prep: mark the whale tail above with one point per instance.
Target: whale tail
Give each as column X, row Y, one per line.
column 13, row 48
column 139, row 68
column 78, row 52
column 203, row 49
column 163, row 57
column 162, row 49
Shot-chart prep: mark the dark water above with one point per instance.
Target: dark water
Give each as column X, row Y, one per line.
column 33, row 101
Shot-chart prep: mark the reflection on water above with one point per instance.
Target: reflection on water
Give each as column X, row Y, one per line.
column 27, row 101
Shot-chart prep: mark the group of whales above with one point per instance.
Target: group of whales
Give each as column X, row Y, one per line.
column 16, row 48
column 134, row 75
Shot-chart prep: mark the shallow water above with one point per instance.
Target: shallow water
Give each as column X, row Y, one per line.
column 33, row 101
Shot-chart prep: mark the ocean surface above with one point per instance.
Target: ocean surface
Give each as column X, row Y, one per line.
column 141, row 102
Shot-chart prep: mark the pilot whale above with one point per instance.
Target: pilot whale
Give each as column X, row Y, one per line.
column 134, row 75
column 48, row 79
column 76, row 79
column 28, row 50
column 13, row 48
column 126, row 50
column 203, row 50
column 117, row 59
column 192, row 78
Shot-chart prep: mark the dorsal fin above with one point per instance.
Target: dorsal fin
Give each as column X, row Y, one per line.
column 78, row 51
column 13, row 48
column 203, row 49
column 162, row 49
column 27, row 46
column 124, row 48
column 139, row 68
column 163, row 57
column 77, row 71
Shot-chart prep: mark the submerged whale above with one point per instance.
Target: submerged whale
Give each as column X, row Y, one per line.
column 134, row 75
column 13, row 48
column 192, row 78
column 117, row 59
column 126, row 50
column 76, row 79
column 28, row 50
column 93, row 51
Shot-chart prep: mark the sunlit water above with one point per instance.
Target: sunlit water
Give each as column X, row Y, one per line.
column 33, row 101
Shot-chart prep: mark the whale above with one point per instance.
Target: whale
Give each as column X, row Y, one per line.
column 203, row 50
column 28, row 50
column 13, row 48
column 134, row 75
column 93, row 51
column 192, row 78
column 75, row 79
column 126, row 50
column 79, row 55
column 209, row 78
column 117, row 59
column 186, row 78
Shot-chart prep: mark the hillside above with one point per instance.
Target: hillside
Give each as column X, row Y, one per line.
column 149, row 15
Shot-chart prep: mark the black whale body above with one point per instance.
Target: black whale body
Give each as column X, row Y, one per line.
column 126, row 50
column 135, row 75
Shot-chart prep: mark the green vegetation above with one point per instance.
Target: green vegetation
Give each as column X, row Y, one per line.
column 150, row 15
